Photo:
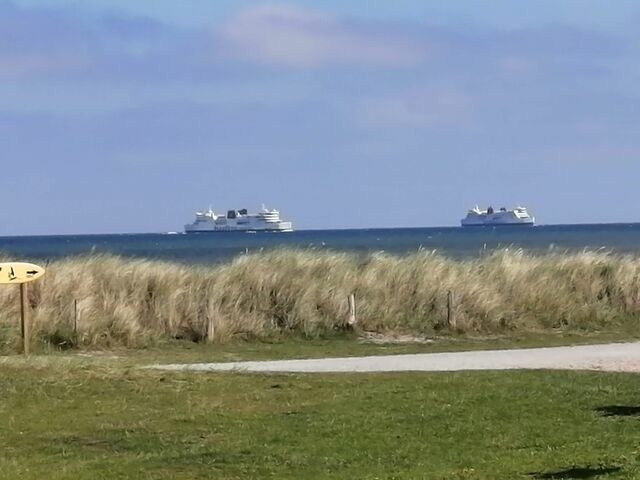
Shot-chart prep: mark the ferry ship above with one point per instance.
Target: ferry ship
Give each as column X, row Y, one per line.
column 480, row 218
column 238, row 220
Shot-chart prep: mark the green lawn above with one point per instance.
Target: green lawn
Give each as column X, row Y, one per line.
column 62, row 417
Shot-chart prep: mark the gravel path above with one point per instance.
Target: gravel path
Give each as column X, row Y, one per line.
column 615, row 357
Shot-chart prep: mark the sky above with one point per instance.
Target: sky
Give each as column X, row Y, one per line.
column 120, row 116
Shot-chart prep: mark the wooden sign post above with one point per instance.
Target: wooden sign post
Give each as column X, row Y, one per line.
column 22, row 274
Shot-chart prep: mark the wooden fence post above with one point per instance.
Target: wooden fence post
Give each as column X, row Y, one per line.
column 451, row 314
column 210, row 329
column 75, row 319
column 24, row 317
column 352, row 309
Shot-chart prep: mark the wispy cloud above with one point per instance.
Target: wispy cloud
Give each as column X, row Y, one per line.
column 37, row 41
column 299, row 37
column 27, row 64
column 423, row 107
column 40, row 42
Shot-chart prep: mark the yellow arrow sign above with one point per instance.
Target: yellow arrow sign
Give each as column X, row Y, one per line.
column 17, row 272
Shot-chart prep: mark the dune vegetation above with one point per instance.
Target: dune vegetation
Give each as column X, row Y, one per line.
column 111, row 301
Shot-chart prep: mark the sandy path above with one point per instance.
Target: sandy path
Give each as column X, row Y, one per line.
column 616, row 357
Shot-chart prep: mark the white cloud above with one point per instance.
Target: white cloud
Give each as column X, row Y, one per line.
column 297, row 37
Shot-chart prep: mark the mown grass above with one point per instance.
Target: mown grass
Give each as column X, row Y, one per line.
column 348, row 345
column 64, row 418
column 124, row 302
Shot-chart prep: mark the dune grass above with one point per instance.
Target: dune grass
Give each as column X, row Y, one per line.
column 62, row 418
column 128, row 302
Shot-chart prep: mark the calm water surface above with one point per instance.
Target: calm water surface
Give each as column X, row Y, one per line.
column 216, row 247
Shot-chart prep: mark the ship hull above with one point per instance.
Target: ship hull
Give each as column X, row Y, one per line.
column 238, row 230
column 281, row 227
column 519, row 224
column 498, row 222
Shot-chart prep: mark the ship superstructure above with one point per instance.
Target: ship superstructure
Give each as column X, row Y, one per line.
column 238, row 220
column 479, row 218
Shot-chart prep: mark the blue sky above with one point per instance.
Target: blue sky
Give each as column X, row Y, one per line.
column 120, row 116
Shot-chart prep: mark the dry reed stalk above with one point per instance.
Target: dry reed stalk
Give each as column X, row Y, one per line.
column 132, row 302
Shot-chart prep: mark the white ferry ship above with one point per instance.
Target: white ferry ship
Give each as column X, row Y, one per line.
column 238, row 220
column 479, row 218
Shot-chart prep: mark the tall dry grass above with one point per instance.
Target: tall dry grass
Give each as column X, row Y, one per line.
column 133, row 302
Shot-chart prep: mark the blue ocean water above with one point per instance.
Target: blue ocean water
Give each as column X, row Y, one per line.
column 217, row 247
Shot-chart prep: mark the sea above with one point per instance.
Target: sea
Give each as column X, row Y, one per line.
column 455, row 242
